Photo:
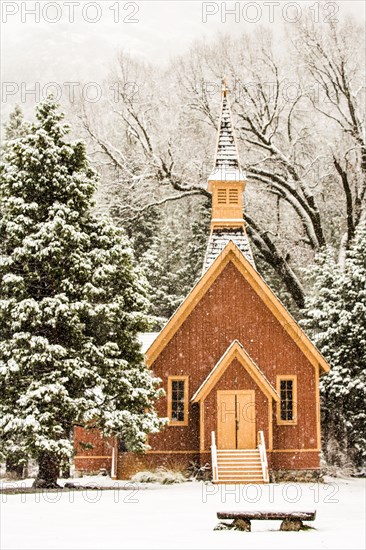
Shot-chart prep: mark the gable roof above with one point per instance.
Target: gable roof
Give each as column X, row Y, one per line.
column 232, row 254
column 235, row 351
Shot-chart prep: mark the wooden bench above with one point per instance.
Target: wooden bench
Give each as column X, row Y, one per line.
column 291, row 521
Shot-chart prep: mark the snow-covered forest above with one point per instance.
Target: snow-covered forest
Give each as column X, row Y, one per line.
column 299, row 111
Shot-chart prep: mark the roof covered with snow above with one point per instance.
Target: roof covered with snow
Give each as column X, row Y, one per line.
column 226, row 173
column 219, row 238
column 226, row 153
column 146, row 339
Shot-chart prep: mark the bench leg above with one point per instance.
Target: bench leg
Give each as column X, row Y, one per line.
column 241, row 525
column 291, row 525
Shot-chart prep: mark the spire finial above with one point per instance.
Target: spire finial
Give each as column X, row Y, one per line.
column 224, row 87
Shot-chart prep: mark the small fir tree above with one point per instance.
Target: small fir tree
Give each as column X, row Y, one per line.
column 166, row 273
column 71, row 305
column 16, row 126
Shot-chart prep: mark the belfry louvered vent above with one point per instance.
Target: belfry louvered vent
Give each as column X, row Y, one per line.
column 221, row 196
column 233, row 196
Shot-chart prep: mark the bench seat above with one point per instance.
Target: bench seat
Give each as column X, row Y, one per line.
column 301, row 516
column 291, row 521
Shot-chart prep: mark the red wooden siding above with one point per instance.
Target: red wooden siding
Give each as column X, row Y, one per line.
column 99, row 456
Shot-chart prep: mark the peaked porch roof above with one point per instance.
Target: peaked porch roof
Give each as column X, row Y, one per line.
column 235, row 351
column 232, row 254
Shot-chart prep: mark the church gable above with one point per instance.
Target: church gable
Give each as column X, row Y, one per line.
column 237, row 353
column 231, row 301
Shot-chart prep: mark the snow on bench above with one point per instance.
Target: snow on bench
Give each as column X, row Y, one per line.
column 291, row 521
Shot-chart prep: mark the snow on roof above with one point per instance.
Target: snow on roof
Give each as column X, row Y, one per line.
column 226, row 173
column 146, row 339
column 219, row 238
column 226, row 154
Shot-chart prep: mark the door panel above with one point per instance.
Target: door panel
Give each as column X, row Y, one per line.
column 235, row 420
column 226, row 433
column 246, row 417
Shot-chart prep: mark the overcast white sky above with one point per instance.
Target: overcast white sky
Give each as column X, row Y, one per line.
column 65, row 45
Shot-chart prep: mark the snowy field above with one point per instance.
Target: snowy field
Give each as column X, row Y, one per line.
column 182, row 516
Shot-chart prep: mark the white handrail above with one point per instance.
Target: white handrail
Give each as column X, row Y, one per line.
column 263, row 455
column 214, row 457
column 113, row 466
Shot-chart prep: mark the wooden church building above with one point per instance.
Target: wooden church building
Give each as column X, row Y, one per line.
column 241, row 377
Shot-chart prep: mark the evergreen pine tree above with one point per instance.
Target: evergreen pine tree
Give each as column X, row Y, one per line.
column 336, row 317
column 173, row 262
column 142, row 230
column 196, row 247
column 166, row 273
column 71, row 305
column 16, row 126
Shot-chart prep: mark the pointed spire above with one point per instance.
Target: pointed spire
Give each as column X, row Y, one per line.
column 226, row 150
column 226, row 183
column 224, row 88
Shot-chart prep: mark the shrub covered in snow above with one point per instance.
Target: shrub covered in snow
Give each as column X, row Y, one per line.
column 160, row 475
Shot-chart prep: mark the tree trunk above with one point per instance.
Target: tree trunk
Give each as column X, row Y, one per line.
column 14, row 466
column 49, row 471
column 273, row 257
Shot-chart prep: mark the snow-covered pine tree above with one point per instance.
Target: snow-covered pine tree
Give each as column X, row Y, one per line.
column 173, row 262
column 16, row 126
column 71, row 305
column 165, row 270
column 336, row 317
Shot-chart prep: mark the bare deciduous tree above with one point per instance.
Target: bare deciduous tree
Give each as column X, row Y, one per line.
column 300, row 132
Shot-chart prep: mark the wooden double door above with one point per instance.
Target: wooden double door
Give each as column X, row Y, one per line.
column 236, row 419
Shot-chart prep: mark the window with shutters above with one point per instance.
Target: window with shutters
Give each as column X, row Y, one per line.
column 287, row 407
column 178, row 400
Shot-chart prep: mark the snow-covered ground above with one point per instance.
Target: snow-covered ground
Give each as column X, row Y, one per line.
column 181, row 516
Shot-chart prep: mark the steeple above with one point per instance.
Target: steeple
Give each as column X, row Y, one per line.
column 226, row 183
column 226, row 151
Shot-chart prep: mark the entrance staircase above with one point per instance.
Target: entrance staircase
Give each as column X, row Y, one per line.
column 240, row 465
